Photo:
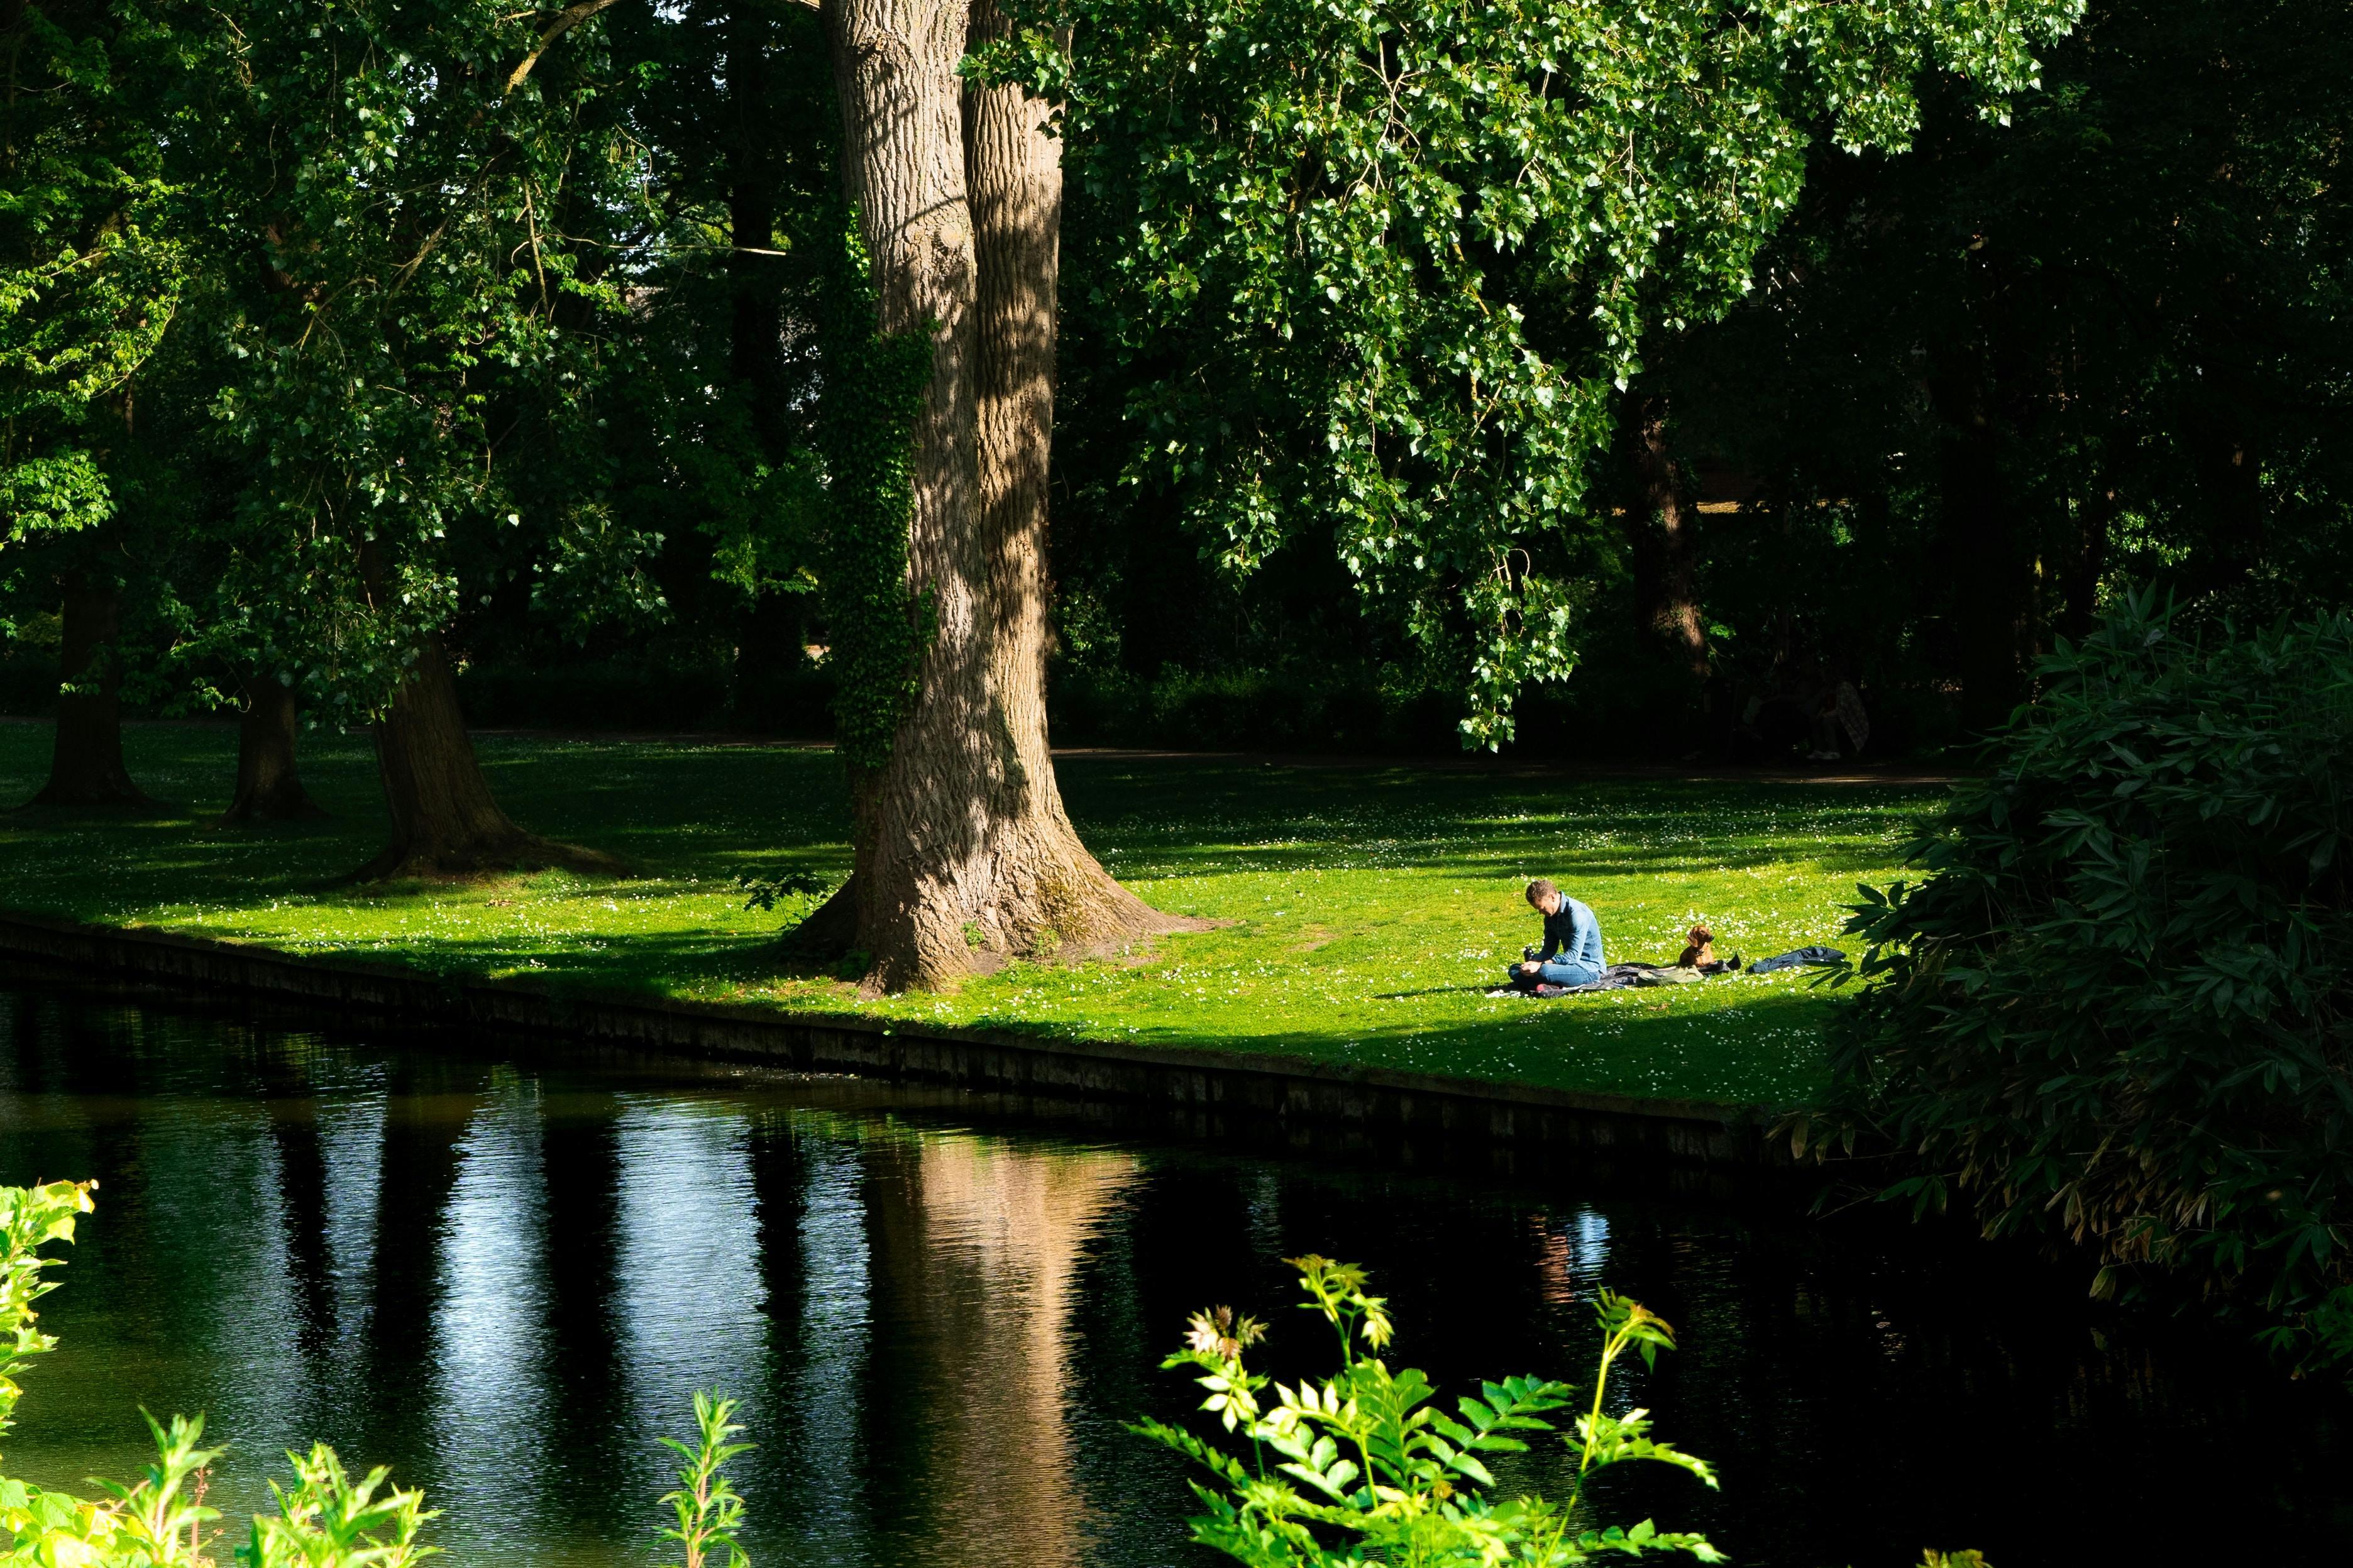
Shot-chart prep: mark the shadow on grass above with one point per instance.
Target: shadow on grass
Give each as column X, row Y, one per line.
column 693, row 818
column 632, row 962
column 96, row 814
column 1527, row 854
column 1764, row 1050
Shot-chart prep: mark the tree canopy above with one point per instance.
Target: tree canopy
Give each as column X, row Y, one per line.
column 1393, row 264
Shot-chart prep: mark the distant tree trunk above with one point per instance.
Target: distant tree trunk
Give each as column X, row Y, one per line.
column 755, row 351
column 755, row 341
column 85, row 755
column 444, row 821
column 2230, row 484
column 1666, row 536
column 2088, row 561
column 1987, row 569
column 963, row 854
column 268, row 784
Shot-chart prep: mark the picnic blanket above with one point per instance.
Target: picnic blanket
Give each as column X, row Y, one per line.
column 1623, row 977
column 1791, row 960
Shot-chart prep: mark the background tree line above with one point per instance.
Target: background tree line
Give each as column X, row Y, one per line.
column 1978, row 388
column 1973, row 388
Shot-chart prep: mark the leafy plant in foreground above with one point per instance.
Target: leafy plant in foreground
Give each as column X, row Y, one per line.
column 709, row 1511
column 2115, row 1010
column 1367, row 1465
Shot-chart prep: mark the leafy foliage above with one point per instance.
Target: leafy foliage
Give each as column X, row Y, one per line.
column 2115, row 1008
column 406, row 338
column 92, row 271
column 1984, row 387
column 1394, row 262
column 30, row 1218
column 328, row 1520
column 1368, row 1466
column 764, row 892
column 706, row 1507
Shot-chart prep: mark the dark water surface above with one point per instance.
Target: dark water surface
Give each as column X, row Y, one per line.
column 504, row 1273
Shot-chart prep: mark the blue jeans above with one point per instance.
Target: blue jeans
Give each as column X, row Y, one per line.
column 1561, row 971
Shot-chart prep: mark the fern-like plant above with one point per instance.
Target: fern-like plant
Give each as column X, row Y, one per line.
column 1366, row 1466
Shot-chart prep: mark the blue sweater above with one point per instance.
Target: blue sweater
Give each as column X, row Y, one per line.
column 1573, row 932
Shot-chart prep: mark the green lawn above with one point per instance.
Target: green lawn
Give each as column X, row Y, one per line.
column 1372, row 906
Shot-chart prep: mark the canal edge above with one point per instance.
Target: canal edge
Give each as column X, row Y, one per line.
column 1198, row 1091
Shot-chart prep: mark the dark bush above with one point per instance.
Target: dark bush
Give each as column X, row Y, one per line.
column 2114, row 1009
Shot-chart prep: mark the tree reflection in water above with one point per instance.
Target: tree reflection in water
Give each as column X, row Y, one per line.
column 977, row 1244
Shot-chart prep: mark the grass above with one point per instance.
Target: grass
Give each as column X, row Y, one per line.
column 1372, row 908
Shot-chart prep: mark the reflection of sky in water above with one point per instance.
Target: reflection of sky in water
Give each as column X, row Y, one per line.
column 1588, row 1240
column 214, row 1210
column 351, row 1136
column 821, row 1398
column 689, row 1310
column 489, row 1374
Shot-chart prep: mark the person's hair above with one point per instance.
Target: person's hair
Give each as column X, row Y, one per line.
column 1540, row 889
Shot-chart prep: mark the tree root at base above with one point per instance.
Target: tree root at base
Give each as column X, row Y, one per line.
column 1105, row 920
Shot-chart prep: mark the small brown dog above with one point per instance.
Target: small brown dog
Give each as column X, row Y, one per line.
column 1700, row 951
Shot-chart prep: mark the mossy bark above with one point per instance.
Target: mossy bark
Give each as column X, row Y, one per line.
column 963, row 854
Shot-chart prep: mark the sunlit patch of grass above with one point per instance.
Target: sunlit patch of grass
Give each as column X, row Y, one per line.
column 1371, row 909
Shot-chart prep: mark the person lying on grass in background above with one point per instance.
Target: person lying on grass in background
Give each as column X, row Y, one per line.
column 1572, row 932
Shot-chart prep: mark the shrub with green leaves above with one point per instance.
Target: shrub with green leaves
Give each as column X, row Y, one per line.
column 1366, row 1465
column 2116, row 1008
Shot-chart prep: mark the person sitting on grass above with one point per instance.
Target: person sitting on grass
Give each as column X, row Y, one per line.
column 1572, row 932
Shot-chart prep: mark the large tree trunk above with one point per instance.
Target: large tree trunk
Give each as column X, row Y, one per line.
column 1666, row 537
column 444, row 821
column 963, row 853
column 268, row 784
column 85, row 757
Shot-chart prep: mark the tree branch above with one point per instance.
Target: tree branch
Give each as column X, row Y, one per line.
column 565, row 20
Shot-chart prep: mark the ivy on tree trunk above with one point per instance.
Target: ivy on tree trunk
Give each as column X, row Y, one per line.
column 963, row 853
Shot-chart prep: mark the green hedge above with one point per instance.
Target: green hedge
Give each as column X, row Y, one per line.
column 2116, row 1008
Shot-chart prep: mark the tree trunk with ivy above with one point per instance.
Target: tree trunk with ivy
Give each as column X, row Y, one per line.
column 269, row 784
column 86, row 765
column 964, row 855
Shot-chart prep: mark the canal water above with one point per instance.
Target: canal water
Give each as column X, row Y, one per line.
column 504, row 1269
